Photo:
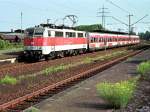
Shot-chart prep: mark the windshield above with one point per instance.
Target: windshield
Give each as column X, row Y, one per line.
column 31, row 32
column 38, row 32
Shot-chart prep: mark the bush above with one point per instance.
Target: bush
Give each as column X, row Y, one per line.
column 6, row 44
column 117, row 94
column 143, row 67
column 8, row 80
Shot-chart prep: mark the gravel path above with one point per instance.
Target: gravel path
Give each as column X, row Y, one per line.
column 83, row 97
column 10, row 53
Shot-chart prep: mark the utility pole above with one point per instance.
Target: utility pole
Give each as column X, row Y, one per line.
column 119, row 29
column 48, row 21
column 103, row 15
column 130, row 23
column 103, row 12
column 21, row 25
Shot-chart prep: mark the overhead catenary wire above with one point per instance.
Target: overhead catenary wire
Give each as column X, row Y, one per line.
column 118, row 6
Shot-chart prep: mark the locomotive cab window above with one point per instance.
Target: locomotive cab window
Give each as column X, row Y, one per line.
column 29, row 32
column 38, row 31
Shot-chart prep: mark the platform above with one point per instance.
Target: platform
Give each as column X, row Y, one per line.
column 9, row 56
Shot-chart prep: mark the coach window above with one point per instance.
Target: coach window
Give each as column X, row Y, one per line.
column 73, row 34
column 80, row 34
column 58, row 34
column 49, row 33
column 110, row 39
column 113, row 39
column 92, row 40
column 70, row 34
column 99, row 39
column 103, row 40
column 95, row 39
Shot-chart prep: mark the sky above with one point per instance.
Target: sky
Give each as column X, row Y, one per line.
column 35, row 12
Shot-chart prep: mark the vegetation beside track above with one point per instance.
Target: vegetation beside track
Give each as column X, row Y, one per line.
column 141, row 99
column 119, row 94
column 32, row 109
column 143, row 68
column 8, row 80
column 7, row 45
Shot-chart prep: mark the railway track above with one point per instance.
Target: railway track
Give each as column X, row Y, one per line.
column 35, row 67
column 23, row 102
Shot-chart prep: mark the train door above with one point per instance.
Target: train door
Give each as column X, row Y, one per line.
column 88, row 40
column 105, row 41
column 53, row 41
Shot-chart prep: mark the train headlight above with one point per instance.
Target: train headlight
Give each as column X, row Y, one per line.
column 40, row 48
column 24, row 52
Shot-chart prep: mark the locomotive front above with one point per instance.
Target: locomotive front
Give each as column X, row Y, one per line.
column 33, row 42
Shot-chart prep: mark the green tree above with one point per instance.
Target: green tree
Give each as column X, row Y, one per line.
column 89, row 27
column 145, row 36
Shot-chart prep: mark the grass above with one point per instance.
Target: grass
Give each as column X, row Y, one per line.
column 32, row 109
column 105, row 57
column 7, row 45
column 117, row 94
column 55, row 69
column 87, row 60
column 8, row 80
column 143, row 68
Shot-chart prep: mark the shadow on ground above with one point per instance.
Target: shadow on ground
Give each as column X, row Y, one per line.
column 97, row 106
column 136, row 61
